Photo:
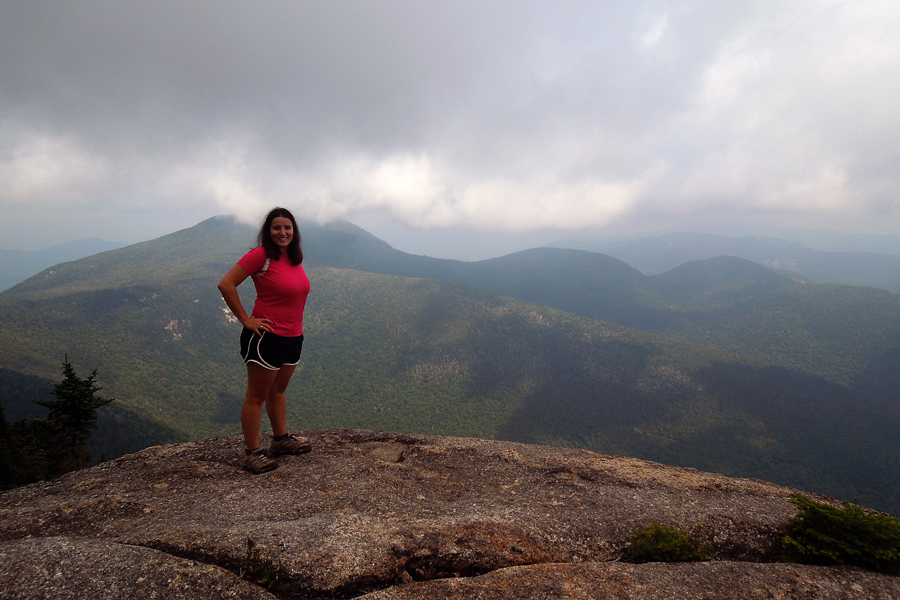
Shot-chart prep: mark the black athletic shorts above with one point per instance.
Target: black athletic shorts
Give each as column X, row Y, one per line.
column 269, row 350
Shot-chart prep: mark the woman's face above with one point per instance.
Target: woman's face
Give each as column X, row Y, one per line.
column 282, row 232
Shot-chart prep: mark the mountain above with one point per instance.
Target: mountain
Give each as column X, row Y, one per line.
column 19, row 265
column 828, row 240
column 662, row 253
column 439, row 355
column 831, row 331
column 179, row 256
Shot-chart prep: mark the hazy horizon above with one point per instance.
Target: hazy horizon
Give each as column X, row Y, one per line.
column 443, row 243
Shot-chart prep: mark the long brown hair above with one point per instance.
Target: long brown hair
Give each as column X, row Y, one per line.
column 264, row 239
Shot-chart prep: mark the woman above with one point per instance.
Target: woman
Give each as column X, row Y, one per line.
column 272, row 338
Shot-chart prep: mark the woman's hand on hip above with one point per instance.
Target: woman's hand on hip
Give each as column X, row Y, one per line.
column 259, row 324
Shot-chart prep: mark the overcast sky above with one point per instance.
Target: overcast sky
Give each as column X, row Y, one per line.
column 431, row 121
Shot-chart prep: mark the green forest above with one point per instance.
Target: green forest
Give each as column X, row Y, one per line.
column 721, row 365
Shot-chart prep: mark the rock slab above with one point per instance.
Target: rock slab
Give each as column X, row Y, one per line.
column 399, row 516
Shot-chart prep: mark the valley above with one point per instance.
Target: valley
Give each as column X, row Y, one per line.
column 721, row 365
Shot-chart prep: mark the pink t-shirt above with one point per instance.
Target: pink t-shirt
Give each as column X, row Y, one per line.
column 281, row 290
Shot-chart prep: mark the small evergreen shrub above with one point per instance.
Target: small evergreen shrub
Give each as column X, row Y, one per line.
column 664, row 543
column 820, row 534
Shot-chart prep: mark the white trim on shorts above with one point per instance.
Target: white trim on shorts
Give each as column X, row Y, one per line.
column 258, row 339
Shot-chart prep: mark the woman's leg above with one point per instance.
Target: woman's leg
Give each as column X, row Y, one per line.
column 259, row 382
column 276, row 401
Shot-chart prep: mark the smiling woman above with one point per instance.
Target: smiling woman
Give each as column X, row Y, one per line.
column 272, row 338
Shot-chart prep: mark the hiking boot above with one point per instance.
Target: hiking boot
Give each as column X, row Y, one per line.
column 259, row 461
column 290, row 445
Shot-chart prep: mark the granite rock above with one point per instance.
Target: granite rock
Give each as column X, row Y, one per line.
column 62, row 568
column 406, row 516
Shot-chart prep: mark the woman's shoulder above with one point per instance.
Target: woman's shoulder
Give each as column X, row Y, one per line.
column 253, row 259
column 258, row 251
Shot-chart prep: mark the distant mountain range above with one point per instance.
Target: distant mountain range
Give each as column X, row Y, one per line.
column 820, row 256
column 18, row 265
column 720, row 364
column 727, row 302
column 661, row 253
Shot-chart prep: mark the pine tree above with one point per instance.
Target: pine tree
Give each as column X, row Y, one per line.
column 71, row 421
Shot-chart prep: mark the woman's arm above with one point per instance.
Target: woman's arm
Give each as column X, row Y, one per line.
column 228, row 287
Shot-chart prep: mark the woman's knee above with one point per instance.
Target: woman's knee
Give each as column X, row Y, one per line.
column 255, row 397
column 277, row 390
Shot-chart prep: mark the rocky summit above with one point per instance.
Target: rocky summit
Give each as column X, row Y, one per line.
column 385, row 516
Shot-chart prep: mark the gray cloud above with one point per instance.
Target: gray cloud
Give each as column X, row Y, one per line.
column 501, row 116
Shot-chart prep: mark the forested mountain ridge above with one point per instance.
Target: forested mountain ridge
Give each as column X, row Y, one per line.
column 185, row 254
column 832, row 331
column 836, row 332
column 429, row 356
column 864, row 268
column 18, row 265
